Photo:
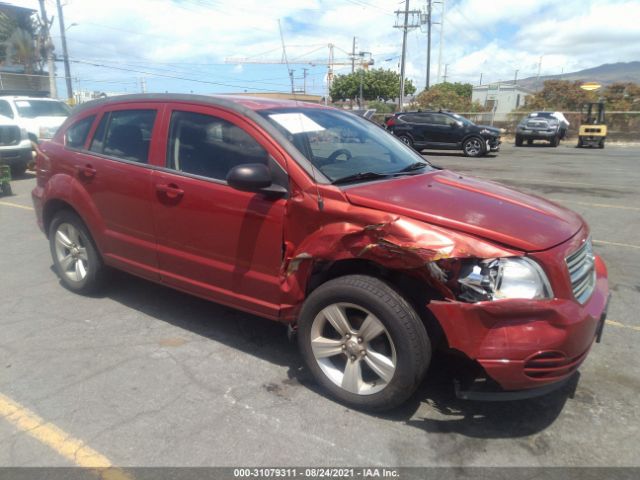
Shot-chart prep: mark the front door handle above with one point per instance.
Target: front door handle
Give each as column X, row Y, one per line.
column 86, row 171
column 170, row 190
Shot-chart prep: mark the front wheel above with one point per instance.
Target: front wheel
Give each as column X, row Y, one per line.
column 407, row 140
column 75, row 258
column 473, row 147
column 518, row 141
column 555, row 141
column 363, row 342
column 601, row 144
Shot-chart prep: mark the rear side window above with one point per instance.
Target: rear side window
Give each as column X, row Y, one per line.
column 209, row 146
column 76, row 134
column 125, row 134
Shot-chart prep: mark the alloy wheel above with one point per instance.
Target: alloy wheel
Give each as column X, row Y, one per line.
column 473, row 147
column 71, row 252
column 353, row 348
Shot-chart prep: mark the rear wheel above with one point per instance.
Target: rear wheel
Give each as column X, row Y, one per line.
column 580, row 143
column 474, row 147
column 5, row 188
column 363, row 342
column 75, row 257
column 518, row 141
column 529, row 142
column 601, row 144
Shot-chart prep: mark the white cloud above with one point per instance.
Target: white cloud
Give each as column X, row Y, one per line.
column 188, row 38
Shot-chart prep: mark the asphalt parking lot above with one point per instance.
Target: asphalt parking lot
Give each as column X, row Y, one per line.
column 145, row 376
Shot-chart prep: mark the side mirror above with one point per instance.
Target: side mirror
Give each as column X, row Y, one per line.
column 253, row 177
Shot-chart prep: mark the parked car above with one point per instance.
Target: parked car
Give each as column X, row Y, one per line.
column 444, row 130
column 39, row 116
column 372, row 255
column 15, row 146
column 549, row 126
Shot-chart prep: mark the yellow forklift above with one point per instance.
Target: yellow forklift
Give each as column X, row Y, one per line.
column 593, row 130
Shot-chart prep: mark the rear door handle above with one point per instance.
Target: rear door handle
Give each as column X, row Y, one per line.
column 170, row 190
column 86, row 171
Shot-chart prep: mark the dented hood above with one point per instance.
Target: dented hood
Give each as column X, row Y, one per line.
column 474, row 206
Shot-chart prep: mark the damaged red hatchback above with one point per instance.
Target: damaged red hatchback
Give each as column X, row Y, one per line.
column 319, row 219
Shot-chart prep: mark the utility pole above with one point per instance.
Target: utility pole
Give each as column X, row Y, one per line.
column 304, row 80
column 65, row 53
column 444, row 79
column 441, row 40
column 428, row 44
column 480, row 79
column 515, row 80
column 293, row 88
column 353, row 56
column 51, row 65
column 539, row 67
column 405, row 26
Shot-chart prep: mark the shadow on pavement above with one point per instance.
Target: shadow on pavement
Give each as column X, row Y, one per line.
column 267, row 340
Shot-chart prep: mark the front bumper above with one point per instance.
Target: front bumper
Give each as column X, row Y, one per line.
column 493, row 144
column 16, row 156
column 526, row 344
column 536, row 134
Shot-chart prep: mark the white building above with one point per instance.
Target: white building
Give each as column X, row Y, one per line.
column 501, row 98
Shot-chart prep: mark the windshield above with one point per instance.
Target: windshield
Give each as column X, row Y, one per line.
column 460, row 118
column 41, row 108
column 342, row 145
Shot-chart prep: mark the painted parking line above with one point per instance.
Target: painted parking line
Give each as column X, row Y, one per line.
column 614, row 323
column 67, row 446
column 557, row 182
column 16, row 205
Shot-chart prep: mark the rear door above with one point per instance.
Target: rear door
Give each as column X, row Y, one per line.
column 115, row 172
column 215, row 241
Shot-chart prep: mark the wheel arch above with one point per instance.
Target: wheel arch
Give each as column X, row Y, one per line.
column 412, row 289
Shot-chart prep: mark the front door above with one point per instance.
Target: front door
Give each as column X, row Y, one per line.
column 215, row 241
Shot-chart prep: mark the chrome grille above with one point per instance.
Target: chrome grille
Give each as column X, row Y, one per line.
column 581, row 265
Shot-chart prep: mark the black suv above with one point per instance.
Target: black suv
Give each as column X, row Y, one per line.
column 444, row 130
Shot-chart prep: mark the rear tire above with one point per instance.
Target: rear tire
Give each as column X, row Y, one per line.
column 5, row 188
column 580, row 144
column 518, row 141
column 474, row 147
column 379, row 352
column 601, row 144
column 529, row 142
column 75, row 257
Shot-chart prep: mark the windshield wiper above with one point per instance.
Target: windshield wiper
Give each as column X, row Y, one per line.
column 359, row 176
column 413, row 166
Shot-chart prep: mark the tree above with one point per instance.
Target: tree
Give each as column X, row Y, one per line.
column 452, row 96
column 377, row 84
column 622, row 96
column 561, row 95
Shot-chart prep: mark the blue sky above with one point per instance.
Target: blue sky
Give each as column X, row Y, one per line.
column 181, row 45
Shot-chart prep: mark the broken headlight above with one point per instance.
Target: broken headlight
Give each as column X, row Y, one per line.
column 498, row 278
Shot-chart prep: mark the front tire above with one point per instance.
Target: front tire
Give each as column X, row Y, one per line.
column 407, row 140
column 363, row 342
column 473, row 147
column 75, row 257
column 518, row 141
column 601, row 144
column 555, row 141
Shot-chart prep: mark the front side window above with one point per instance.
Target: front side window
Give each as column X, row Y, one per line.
column 5, row 109
column 41, row 108
column 76, row 134
column 125, row 134
column 342, row 145
column 209, row 146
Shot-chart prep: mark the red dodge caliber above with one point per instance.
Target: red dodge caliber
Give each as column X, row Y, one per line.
column 317, row 218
